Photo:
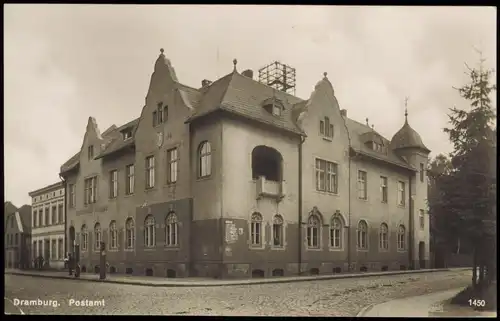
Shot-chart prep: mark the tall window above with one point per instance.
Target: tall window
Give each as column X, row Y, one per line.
column 90, row 191
column 171, row 226
column 256, row 229
column 97, row 236
column 422, row 172
column 149, row 232
column 72, row 195
column 326, row 128
column 383, row 189
column 401, row 193
column 130, row 169
column 150, row 172
column 401, row 238
column 46, row 217
column 205, row 160
column 160, row 113
column 336, row 232
column 129, row 233
column 362, row 193
column 278, row 231
column 165, row 113
column 113, row 235
column 313, row 225
column 40, row 217
column 383, row 237
column 90, row 152
column 34, row 218
column 421, row 218
column 60, row 248
column 362, row 235
column 60, row 212
column 113, row 184
column 173, row 160
column 85, row 238
column 326, row 176
column 54, row 214
column 155, row 118
column 53, row 249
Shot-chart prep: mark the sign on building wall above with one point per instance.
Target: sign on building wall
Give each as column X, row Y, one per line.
column 231, row 232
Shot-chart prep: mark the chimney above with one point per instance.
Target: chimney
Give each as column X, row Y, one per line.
column 205, row 83
column 343, row 113
column 248, row 73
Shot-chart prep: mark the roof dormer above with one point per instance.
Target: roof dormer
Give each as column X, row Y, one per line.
column 273, row 106
column 374, row 141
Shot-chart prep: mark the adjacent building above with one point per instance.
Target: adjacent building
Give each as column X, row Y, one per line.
column 17, row 236
column 48, row 225
column 241, row 178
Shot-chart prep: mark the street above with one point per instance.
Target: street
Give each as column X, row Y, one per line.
column 341, row 297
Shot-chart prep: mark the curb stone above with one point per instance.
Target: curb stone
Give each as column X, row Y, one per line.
column 236, row 283
column 364, row 310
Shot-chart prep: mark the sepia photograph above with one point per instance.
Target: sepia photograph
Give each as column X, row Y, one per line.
column 250, row 160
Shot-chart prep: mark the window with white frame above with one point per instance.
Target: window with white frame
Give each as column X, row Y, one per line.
column 173, row 161
column 113, row 184
column 90, row 191
column 313, row 229
column 326, row 176
column 401, row 238
column 383, row 237
column 336, row 229
column 150, row 172
column 256, row 229
column 129, row 233
column 421, row 218
column 362, row 192
column 205, row 160
column 149, row 232
column 278, row 231
column 97, row 237
column 362, row 235
column 171, row 230
column 130, row 172
column 401, row 193
column 85, row 238
column 113, row 236
column 383, row 189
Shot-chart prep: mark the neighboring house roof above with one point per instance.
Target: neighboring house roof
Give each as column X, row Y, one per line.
column 46, row 188
column 24, row 214
column 9, row 208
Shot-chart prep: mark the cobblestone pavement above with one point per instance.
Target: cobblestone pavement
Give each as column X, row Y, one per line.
column 344, row 297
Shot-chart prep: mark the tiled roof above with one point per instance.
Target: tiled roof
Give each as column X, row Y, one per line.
column 407, row 137
column 9, row 208
column 117, row 142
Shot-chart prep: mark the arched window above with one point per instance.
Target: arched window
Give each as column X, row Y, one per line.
column 362, row 235
column 149, row 231
column 267, row 162
column 129, row 233
column 97, row 236
column 336, row 229
column 205, row 160
column 85, row 238
column 171, row 229
column 383, row 237
column 313, row 225
column 278, row 231
column 113, row 235
column 256, row 229
column 401, row 238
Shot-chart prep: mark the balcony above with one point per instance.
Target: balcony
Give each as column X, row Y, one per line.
column 270, row 189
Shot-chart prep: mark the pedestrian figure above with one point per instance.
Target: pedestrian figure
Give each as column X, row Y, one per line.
column 77, row 270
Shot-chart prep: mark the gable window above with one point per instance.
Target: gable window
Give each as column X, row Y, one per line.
column 401, row 238
column 90, row 191
column 173, row 160
column 422, row 172
column 171, row 232
column 205, row 160
column 401, row 193
column 155, row 118
column 160, row 114
column 113, row 235
column 313, row 225
column 165, row 113
column 127, row 133
column 130, row 169
column 150, row 172
column 256, row 229
column 383, row 189
column 336, row 228
column 129, row 233
column 60, row 211
column 322, row 127
column 277, row 231
column 72, row 196
column 326, row 176
column 97, row 237
column 276, row 110
column 384, row 237
column 362, row 235
column 326, row 128
column 149, row 231
column 113, row 184
column 362, row 182
column 90, row 152
column 421, row 218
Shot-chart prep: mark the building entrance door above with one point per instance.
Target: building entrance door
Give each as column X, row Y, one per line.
column 421, row 255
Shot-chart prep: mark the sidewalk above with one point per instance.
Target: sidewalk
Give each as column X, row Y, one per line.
column 205, row 282
column 429, row 305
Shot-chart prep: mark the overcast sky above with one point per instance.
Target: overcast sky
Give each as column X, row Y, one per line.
column 64, row 63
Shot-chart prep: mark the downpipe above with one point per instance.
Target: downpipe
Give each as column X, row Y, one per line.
column 302, row 140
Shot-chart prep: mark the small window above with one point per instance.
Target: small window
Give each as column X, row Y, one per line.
column 276, row 110
column 165, row 113
column 322, row 127
column 155, row 119
column 422, row 172
column 91, row 152
column 127, row 134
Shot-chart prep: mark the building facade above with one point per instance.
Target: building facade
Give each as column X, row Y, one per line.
column 48, row 221
column 238, row 179
column 17, row 236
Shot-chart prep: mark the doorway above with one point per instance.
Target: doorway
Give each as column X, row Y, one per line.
column 421, row 255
